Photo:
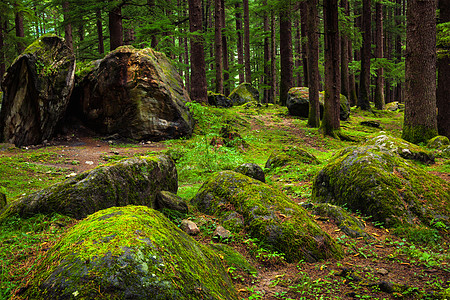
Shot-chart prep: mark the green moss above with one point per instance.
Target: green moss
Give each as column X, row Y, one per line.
column 438, row 141
column 244, row 93
column 290, row 155
column 233, row 258
column 130, row 252
column 418, row 133
column 268, row 215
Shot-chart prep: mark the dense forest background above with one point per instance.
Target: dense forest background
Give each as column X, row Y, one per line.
column 274, row 45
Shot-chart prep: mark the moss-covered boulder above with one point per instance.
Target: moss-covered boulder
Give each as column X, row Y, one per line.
column 169, row 201
column 131, row 181
column 219, row 100
column 252, row 170
column 438, row 141
column 244, row 93
column 290, row 155
column 233, row 259
column 2, row 200
column 137, row 94
column 268, row 215
column 401, row 147
column 37, row 87
column 394, row 106
column 130, row 252
column 379, row 183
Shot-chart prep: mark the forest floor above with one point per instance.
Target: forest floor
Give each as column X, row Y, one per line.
column 388, row 266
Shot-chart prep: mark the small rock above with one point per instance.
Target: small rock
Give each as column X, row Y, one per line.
column 189, row 227
column 252, row 170
column 382, row 271
column 89, row 162
column 374, row 124
column 73, row 174
column 221, row 233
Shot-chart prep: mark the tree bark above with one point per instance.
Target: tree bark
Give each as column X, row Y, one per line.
column 312, row 20
column 443, row 89
column 67, row 25
column 273, row 62
column 266, row 79
column 115, row 28
column 298, row 53
column 198, row 67
column 398, row 91
column 248, row 71
column 420, row 123
column 218, row 55
column 331, row 123
column 226, row 67
column 353, row 98
column 364, row 85
column 101, row 47
column 285, row 51
column 345, row 85
column 304, row 42
column 2, row 48
column 20, row 32
column 240, row 43
column 379, row 86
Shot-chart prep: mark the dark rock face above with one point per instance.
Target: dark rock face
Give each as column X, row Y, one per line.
column 219, row 100
column 130, row 181
column 268, row 215
column 378, row 182
column 252, row 170
column 137, row 94
column 130, row 252
column 244, row 93
column 168, row 200
column 37, row 88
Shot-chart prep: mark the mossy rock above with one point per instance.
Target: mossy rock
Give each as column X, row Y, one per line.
column 233, row 259
column 350, row 225
column 252, row 170
column 438, row 141
column 2, row 200
column 401, row 147
column 131, row 252
column 244, row 93
column 378, row 183
column 298, row 102
column 131, row 181
column 290, row 155
column 219, row 100
column 269, row 216
column 394, row 106
column 168, row 200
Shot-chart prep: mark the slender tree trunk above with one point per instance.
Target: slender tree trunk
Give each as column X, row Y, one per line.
column 352, row 93
column 226, row 69
column 379, row 86
column 20, row 32
column 345, row 85
column 67, row 25
column 364, row 86
column 398, row 95
column 266, row 79
column 218, row 46
column 115, row 28
column 273, row 62
column 198, row 67
column 2, row 48
column 298, row 53
column 312, row 20
column 420, row 123
column 304, row 42
column 285, row 52
column 240, row 43
column 388, row 55
column 101, row 47
column 248, row 71
column 331, row 122
column 443, row 89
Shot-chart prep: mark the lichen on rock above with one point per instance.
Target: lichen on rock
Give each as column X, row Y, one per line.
column 130, row 252
column 130, row 181
column 438, row 141
column 268, row 215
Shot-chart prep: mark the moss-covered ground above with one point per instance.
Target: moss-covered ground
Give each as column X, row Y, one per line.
column 410, row 263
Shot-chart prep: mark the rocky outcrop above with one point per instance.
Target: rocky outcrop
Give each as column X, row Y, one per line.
column 252, row 170
column 268, row 215
column 130, row 252
column 244, row 93
column 219, row 100
column 137, row 94
column 37, row 88
column 438, row 141
column 131, row 181
column 290, row 155
column 379, row 183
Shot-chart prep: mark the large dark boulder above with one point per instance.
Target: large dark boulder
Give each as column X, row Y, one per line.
column 219, row 100
column 37, row 88
column 267, row 214
column 137, row 94
column 244, row 93
column 379, row 183
column 135, row 181
column 131, row 252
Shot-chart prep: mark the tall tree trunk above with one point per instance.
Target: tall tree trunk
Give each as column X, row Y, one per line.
column 345, row 85
column 443, row 89
column 2, row 48
column 198, row 67
column 273, row 62
column 67, row 25
column 285, row 51
column 20, row 32
column 115, row 28
column 226, row 69
column 298, row 53
column 312, row 21
column 240, row 43
column 398, row 94
column 379, row 86
column 388, row 55
column 304, row 42
column 266, row 79
column 420, row 123
column 331, row 123
column 218, row 46
column 364, row 85
column 154, row 37
column 248, row 71
column 352, row 93
column 101, row 47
